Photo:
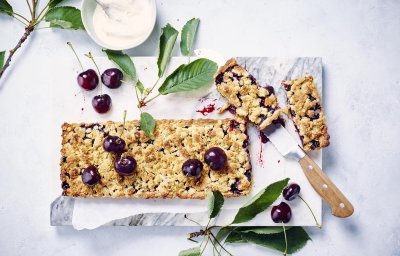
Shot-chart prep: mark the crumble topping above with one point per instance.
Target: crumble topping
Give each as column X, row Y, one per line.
column 306, row 111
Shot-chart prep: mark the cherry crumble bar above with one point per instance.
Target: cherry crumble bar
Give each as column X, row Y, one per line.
column 159, row 160
column 305, row 109
column 246, row 98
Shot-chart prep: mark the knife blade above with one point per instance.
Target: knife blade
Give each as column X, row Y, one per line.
column 289, row 148
column 283, row 141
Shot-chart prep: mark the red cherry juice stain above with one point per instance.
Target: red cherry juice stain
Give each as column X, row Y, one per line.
column 207, row 109
column 83, row 98
column 279, row 161
column 260, row 155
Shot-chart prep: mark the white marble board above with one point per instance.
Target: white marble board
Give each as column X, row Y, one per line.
column 268, row 164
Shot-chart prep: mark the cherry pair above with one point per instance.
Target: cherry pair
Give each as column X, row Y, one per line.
column 282, row 212
column 215, row 157
column 88, row 80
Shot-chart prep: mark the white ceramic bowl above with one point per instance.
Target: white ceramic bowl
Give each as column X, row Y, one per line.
column 87, row 11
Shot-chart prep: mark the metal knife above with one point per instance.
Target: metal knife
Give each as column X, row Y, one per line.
column 288, row 147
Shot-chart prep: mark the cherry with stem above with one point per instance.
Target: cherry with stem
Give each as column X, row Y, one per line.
column 291, row 191
column 101, row 103
column 87, row 80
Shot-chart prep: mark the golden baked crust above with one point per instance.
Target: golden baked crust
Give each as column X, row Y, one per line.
column 245, row 96
column 306, row 111
column 159, row 161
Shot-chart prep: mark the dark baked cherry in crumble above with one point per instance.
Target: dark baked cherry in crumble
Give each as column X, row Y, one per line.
column 232, row 109
column 125, row 165
column 281, row 213
column 91, row 176
column 192, row 168
column 101, row 103
column 88, row 79
column 112, row 78
column 65, row 185
column 287, row 87
column 216, row 158
column 270, row 89
column 291, row 191
column 314, row 144
column 114, row 144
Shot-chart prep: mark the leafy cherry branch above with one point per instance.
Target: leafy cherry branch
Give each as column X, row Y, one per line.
column 186, row 77
column 66, row 17
column 285, row 240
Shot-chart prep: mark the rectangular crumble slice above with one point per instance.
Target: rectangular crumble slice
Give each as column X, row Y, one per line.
column 249, row 100
column 159, row 160
column 306, row 111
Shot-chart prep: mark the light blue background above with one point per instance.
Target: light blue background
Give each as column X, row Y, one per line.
column 359, row 43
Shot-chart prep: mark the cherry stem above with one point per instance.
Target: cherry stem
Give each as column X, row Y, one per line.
column 316, row 222
column 123, row 124
column 186, row 217
column 90, row 56
column 215, row 249
column 284, row 232
column 76, row 55
column 216, row 240
column 205, row 245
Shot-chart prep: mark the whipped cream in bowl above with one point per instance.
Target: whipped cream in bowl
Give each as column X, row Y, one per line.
column 119, row 24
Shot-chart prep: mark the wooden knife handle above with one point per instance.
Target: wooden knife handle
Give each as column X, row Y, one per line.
column 341, row 207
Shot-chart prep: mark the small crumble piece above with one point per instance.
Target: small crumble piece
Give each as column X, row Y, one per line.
column 246, row 98
column 159, row 160
column 306, row 112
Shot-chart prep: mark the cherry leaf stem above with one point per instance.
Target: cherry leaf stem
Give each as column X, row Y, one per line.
column 151, row 99
column 20, row 16
column 30, row 7
column 151, row 89
column 284, row 233
column 22, row 21
column 34, row 5
column 76, row 55
column 220, row 244
column 315, row 219
column 44, row 12
column 137, row 97
column 28, row 30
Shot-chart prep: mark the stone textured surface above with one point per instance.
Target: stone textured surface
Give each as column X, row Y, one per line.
column 358, row 41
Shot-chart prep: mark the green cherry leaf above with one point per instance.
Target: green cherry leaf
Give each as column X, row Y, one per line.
column 224, row 232
column 297, row 238
column 260, row 202
column 140, row 86
column 66, row 17
column 187, row 36
column 147, row 123
column 123, row 61
column 195, row 251
column 215, row 203
column 5, row 7
column 167, row 42
column 261, row 230
column 54, row 3
column 2, row 57
column 234, row 237
column 189, row 77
